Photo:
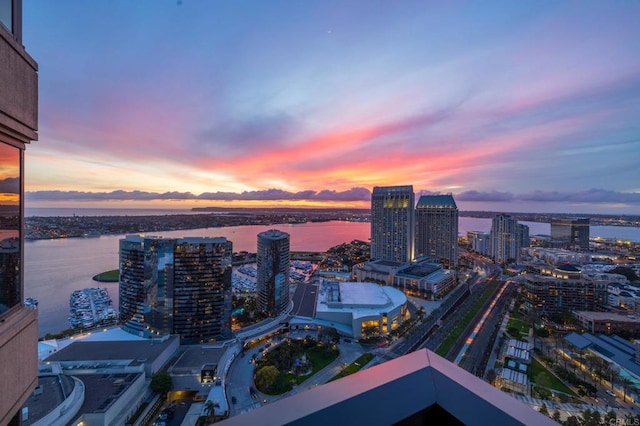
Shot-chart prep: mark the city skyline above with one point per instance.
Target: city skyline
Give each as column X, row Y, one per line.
column 509, row 107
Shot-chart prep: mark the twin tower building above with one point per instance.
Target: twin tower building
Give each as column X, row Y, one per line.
column 403, row 231
column 183, row 286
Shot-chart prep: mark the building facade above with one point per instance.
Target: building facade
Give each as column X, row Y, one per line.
column 392, row 223
column 272, row 281
column 506, row 239
column 437, row 229
column 362, row 309
column 176, row 286
column 570, row 233
column 479, row 241
column 563, row 290
column 18, row 127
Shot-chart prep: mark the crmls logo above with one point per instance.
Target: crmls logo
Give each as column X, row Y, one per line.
column 624, row 422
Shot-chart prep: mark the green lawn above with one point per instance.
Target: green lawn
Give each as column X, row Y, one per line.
column 108, row 276
column 354, row 367
column 536, row 369
column 461, row 325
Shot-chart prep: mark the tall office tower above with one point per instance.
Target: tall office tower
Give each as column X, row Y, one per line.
column 571, row 233
column 273, row 272
column 18, row 127
column 505, row 239
column 176, row 286
column 392, row 223
column 437, row 228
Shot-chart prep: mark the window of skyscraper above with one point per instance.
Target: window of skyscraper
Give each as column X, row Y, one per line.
column 10, row 223
column 6, row 14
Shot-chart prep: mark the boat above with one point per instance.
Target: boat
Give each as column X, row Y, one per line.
column 91, row 307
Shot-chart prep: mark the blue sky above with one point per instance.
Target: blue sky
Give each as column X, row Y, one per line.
column 514, row 106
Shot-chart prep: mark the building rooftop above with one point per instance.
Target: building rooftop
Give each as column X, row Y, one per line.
column 440, row 201
column 615, row 348
column 105, row 389
column 109, row 350
column 358, row 298
column 607, row 316
column 389, row 189
column 54, row 389
column 418, row 388
column 420, row 270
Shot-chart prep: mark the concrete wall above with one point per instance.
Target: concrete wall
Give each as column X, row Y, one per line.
column 18, row 91
column 18, row 358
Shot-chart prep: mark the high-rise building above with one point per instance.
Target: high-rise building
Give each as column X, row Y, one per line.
column 176, row 286
column 18, row 127
column 480, row 241
column 273, row 272
column 523, row 235
column 392, row 223
column 437, row 228
column 506, row 239
column 570, row 233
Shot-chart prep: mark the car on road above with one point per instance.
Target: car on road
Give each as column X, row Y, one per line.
column 610, row 393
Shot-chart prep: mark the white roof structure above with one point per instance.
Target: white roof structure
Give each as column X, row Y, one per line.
column 361, row 299
column 514, row 376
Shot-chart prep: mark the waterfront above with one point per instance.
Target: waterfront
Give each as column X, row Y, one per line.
column 55, row 268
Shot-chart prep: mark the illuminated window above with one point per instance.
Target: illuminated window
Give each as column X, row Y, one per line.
column 10, row 225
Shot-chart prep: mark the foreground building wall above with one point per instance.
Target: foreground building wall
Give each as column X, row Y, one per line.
column 18, row 126
column 418, row 388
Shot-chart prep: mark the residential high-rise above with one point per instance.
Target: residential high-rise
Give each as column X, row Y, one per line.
column 506, row 239
column 176, row 286
column 273, row 272
column 570, row 233
column 392, row 223
column 437, row 228
column 480, row 241
column 18, row 127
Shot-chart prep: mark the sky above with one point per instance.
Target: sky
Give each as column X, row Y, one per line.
column 509, row 106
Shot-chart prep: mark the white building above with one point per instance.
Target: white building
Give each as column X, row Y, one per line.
column 362, row 308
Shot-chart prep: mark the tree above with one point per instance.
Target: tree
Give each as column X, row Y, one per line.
column 556, row 416
column 610, row 418
column 543, row 410
column 591, row 418
column 491, row 376
column 571, row 421
column 267, row 377
column 161, row 383
column 329, row 335
column 210, row 410
column 626, row 384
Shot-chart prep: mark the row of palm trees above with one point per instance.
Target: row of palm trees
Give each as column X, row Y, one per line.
column 597, row 369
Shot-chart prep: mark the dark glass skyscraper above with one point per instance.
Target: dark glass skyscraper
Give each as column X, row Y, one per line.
column 392, row 223
column 176, row 286
column 437, row 228
column 273, row 272
column 571, row 233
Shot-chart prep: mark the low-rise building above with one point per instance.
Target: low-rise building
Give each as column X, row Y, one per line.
column 360, row 309
column 423, row 278
column 563, row 289
column 608, row 322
